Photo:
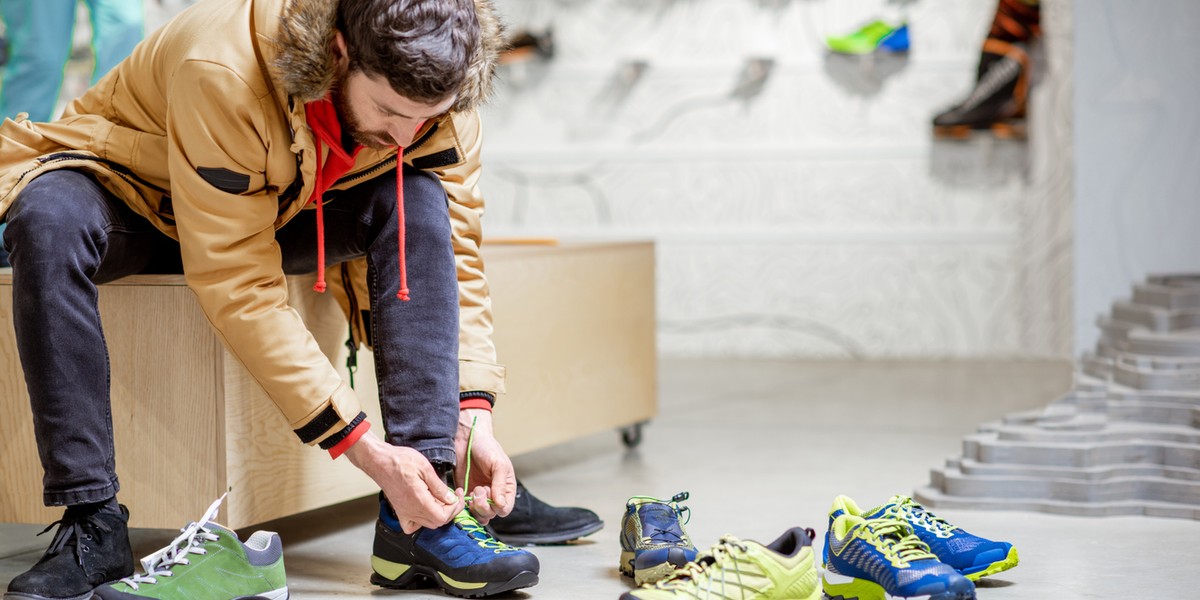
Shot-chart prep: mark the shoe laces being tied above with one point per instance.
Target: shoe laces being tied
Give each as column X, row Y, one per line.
column 466, row 521
column 907, row 510
column 723, row 564
column 71, row 530
column 896, row 540
column 191, row 541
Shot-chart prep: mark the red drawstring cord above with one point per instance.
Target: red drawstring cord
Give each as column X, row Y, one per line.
column 319, row 286
column 403, row 293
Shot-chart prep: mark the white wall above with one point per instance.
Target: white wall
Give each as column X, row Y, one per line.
column 1138, row 149
column 807, row 213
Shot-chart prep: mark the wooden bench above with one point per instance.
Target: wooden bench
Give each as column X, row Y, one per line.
column 574, row 326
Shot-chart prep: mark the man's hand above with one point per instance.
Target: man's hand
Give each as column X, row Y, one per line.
column 416, row 493
column 492, row 475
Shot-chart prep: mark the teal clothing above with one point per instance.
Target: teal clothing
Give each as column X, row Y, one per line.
column 39, row 36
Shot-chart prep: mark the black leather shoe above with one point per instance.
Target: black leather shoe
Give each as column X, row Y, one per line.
column 87, row 552
column 535, row 522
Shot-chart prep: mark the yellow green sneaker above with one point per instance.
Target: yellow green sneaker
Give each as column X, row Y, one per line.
column 736, row 569
column 208, row 562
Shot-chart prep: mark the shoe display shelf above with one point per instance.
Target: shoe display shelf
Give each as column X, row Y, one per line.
column 575, row 327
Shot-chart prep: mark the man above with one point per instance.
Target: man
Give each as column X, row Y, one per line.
column 200, row 153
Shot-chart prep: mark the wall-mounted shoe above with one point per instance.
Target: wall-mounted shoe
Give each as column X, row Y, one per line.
column 876, row 36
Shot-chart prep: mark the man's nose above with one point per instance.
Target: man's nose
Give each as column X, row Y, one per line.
column 405, row 131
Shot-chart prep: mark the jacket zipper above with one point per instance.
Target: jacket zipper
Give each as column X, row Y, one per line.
column 390, row 161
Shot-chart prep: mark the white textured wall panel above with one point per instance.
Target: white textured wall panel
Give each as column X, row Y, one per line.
column 799, row 202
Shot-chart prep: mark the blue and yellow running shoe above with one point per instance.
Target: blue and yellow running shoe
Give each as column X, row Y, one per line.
column 882, row 559
column 653, row 541
column 460, row 557
column 969, row 554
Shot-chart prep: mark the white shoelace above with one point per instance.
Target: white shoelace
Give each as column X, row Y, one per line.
column 191, row 541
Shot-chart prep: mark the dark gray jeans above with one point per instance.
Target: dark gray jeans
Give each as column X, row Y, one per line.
column 66, row 234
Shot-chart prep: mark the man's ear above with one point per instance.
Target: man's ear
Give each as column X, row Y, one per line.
column 341, row 57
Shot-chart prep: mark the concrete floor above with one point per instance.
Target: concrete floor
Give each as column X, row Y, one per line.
column 763, row 446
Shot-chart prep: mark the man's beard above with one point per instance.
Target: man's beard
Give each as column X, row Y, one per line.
column 349, row 121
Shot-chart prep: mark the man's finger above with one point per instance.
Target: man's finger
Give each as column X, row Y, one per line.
column 483, row 510
column 409, row 526
column 504, row 488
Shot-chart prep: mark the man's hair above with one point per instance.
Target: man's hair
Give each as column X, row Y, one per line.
column 422, row 47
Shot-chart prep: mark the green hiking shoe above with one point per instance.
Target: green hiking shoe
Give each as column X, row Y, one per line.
column 208, row 562
column 744, row 570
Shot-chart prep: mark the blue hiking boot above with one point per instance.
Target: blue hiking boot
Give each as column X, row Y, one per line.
column 460, row 557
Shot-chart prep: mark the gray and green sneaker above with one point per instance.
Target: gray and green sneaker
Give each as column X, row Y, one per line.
column 208, row 562
column 653, row 542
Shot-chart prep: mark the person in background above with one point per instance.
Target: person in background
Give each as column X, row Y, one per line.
column 39, row 35
column 998, row 101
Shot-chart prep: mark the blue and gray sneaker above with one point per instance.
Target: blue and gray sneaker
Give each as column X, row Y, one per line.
column 653, row 542
column 460, row 557
column 878, row 559
column 970, row 555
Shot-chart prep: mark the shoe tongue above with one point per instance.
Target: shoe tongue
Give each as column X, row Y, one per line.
column 659, row 519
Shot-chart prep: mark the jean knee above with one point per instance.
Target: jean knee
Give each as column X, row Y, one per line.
column 44, row 215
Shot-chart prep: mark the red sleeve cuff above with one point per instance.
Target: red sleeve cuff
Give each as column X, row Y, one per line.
column 480, row 403
column 344, row 445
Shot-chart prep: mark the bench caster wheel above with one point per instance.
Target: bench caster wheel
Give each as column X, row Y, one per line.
column 631, row 435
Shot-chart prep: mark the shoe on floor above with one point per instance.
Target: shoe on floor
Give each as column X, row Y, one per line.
column 87, row 551
column 460, row 557
column 970, row 555
column 782, row 570
column 653, row 541
column 208, row 562
column 872, row 559
column 535, row 522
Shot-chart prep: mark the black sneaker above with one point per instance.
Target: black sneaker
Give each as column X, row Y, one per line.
column 998, row 101
column 535, row 522
column 87, row 552
column 459, row 557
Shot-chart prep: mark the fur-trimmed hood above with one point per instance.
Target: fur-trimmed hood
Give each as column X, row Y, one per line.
column 305, row 64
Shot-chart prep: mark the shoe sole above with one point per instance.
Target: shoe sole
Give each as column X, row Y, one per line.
column 1004, row 130
column 861, row 589
column 546, row 539
column 1009, row 562
column 24, row 596
column 421, row 577
column 651, row 574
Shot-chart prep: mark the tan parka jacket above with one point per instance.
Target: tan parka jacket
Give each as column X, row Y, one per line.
column 202, row 131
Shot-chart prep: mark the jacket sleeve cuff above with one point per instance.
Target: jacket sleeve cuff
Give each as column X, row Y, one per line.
column 338, row 443
column 323, row 423
column 476, row 399
column 476, row 375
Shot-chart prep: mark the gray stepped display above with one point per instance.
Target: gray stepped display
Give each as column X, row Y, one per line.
column 1124, row 441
